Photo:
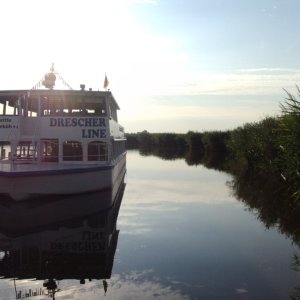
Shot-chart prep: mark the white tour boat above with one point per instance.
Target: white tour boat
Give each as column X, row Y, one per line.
column 59, row 142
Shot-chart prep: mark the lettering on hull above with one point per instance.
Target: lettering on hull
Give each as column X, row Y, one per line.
column 6, row 123
column 77, row 122
column 93, row 133
column 86, row 133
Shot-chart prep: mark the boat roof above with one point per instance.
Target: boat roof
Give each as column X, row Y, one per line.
column 58, row 94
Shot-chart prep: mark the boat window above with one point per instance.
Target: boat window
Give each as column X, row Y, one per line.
column 50, row 107
column 96, row 108
column 31, row 108
column 72, row 107
column 72, row 151
column 26, row 150
column 97, row 151
column 28, row 106
column 82, row 108
column 9, row 107
column 49, row 150
column 5, row 150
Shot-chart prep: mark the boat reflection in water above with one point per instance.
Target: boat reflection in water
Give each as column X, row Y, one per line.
column 69, row 238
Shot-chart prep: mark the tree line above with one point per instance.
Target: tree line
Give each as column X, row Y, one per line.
column 263, row 158
column 270, row 147
column 195, row 147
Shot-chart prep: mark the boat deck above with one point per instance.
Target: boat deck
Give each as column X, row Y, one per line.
column 25, row 169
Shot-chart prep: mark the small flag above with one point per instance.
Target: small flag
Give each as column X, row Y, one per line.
column 106, row 83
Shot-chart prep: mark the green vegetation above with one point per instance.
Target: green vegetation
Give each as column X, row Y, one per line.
column 269, row 149
column 207, row 148
column 263, row 158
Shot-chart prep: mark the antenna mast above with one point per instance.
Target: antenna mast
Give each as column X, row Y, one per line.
column 48, row 80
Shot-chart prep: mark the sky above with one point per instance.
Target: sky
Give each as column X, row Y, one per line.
column 172, row 65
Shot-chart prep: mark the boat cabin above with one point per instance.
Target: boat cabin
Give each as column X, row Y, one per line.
column 59, row 126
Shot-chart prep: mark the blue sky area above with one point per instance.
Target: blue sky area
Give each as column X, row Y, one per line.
column 173, row 65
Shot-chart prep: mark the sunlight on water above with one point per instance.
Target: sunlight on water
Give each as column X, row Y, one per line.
column 180, row 234
column 157, row 180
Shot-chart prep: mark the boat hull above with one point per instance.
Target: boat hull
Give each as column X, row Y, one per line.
column 34, row 215
column 23, row 185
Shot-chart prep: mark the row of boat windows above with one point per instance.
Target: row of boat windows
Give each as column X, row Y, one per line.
column 119, row 147
column 50, row 109
column 71, row 151
column 80, row 110
column 58, row 108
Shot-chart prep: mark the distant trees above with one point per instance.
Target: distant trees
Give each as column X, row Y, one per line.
column 270, row 149
column 263, row 158
column 207, row 148
column 166, row 145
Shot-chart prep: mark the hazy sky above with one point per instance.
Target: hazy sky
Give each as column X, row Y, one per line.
column 173, row 65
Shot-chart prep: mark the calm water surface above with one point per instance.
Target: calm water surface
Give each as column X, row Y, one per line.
column 181, row 235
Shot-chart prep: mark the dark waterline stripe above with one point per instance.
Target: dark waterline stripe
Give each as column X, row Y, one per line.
column 54, row 172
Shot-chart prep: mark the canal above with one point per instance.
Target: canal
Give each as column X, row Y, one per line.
column 179, row 233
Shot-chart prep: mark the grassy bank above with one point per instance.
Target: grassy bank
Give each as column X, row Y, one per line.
column 269, row 148
column 263, row 158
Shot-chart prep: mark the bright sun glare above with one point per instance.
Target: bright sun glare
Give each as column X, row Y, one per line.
column 86, row 39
